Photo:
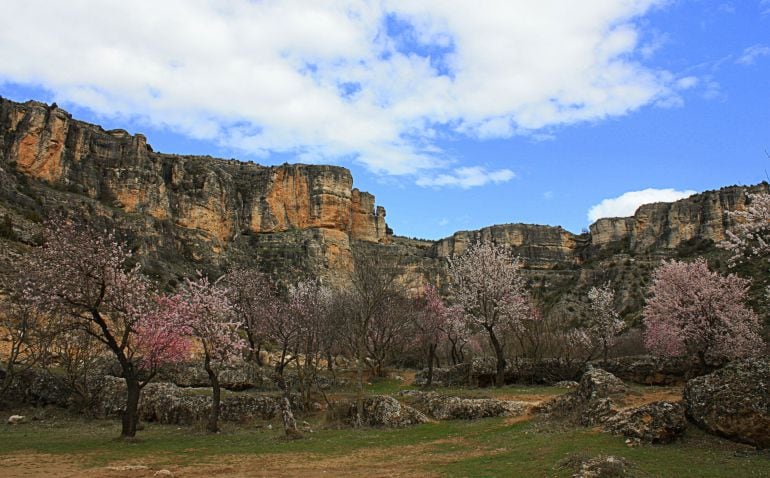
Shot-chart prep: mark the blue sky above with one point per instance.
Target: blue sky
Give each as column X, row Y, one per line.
column 455, row 114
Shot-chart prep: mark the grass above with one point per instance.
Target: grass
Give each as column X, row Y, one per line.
column 489, row 447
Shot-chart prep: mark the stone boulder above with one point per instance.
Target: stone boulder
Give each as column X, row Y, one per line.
column 442, row 407
column 602, row 466
column 591, row 403
column 657, row 422
column 733, row 402
column 240, row 376
column 379, row 411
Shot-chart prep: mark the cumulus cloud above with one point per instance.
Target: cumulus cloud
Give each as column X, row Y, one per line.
column 752, row 53
column 627, row 203
column 467, row 177
column 375, row 81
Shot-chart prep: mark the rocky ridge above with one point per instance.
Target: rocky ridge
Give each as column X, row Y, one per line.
column 187, row 213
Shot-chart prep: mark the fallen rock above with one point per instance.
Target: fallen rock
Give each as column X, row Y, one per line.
column 380, row 411
column 591, row 403
column 733, row 402
column 443, row 407
column 603, row 466
column 570, row 384
column 166, row 473
column 16, row 419
column 657, row 422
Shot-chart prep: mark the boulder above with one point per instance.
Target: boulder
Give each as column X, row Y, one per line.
column 16, row 419
column 603, row 466
column 657, row 422
column 382, row 411
column 442, row 407
column 733, row 402
column 591, row 403
column 569, row 384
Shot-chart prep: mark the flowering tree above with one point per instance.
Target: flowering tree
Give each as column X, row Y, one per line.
column 24, row 330
column 487, row 283
column 457, row 333
column 604, row 324
column 202, row 311
column 692, row 310
column 255, row 300
column 82, row 276
column 750, row 237
column 430, row 320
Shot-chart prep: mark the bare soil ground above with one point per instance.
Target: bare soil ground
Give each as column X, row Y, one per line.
column 400, row 461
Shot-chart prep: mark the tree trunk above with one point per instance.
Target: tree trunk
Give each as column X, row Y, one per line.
column 289, row 423
column 131, row 413
column 359, row 422
column 500, row 375
column 431, row 352
column 216, row 395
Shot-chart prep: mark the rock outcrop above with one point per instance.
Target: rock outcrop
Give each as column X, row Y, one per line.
column 379, row 411
column 733, row 402
column 442, row 407
column 188, row 213
column 656, row 422
column 591, row 403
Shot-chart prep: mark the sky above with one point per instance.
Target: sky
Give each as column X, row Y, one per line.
column 455, row 114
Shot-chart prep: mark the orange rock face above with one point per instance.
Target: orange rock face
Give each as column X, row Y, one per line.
column 39, row 151
column 219, row 198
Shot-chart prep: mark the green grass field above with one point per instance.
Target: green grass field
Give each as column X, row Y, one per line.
column 489, row 447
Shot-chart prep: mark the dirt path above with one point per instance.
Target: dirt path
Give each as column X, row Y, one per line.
column 413, row 460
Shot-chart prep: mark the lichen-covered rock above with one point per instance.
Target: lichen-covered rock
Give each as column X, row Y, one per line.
column 168, row 404
column 597, row 383
column 382, row 411
column 591, row 403
column 657, row 422
column 733, row 402
column 603, row 467
column 242, row 376
column 481, row 372
column 569, row 384
column 442, row 407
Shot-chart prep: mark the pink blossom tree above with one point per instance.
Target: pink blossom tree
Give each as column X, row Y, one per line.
column 604, row 324
column 692, row 310
column 487, row 283
column 750, row 235
column 430, row 321
column 202, row 311
column 254, row 297
column 83, row 276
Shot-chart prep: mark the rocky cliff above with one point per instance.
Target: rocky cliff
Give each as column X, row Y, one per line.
column 184, row 213
column 217, row 201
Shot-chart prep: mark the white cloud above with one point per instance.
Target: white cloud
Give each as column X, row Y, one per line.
column 752, row 53
column 443, row 222
column 548, row 195
column 467, row 177
column 627, row 203
column 328, row 79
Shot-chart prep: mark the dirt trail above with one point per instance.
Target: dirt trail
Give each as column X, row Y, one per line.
column 413, row 460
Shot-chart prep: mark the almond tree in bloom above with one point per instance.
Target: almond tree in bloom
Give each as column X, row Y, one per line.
column 202, row 311
column 750, row 237
column 82, row 276
column 487, row 283
column 255, row 299
column 457, row 333
column 430, row 320
column 604, row 324
column 694, row 311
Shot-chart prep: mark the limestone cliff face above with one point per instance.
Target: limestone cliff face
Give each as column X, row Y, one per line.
column 669, row 225
column 539, row 246
column 220, row 198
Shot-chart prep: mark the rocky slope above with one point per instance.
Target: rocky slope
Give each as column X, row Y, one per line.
column 184, row 213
